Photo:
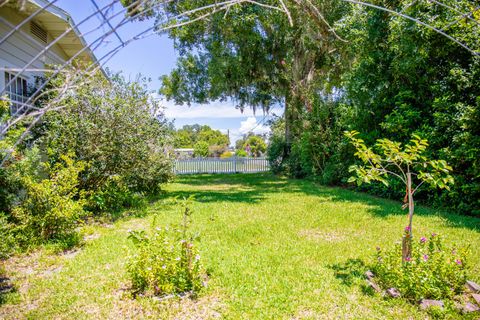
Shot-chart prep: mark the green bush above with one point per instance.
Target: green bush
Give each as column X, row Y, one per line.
column 8, row 242
column 166, row 261
column 434, row 270
column 114, row 196
column 200, row 149
column 52, row 207
column 20, row 165
column 241, row 153
column 226, row 155
column 256, row 144
column 276, row 152
column 117, row 128
column 148, row 175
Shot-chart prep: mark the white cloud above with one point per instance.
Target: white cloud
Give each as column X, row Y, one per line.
column 213, row 110
column 216, row 111
column 251, row 125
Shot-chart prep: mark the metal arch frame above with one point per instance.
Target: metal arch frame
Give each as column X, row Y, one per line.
column 89, row 72
column 223, row 5
column 105, row 20
column 220, row 6
column 405, row 16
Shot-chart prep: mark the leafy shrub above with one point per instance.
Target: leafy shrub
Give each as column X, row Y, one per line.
column 256, row 145
column 276, row 153
column 241, row 153
column 52, row 207
column 8, row 243
column 200, row 149
column 434, row 270
column 117, row 128
column 113, row 197
column 226, row 155
column 20, row 163
column 216, row 150
column 166, row 261
column 147, row 175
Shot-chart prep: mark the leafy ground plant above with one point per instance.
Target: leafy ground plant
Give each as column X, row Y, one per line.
column 434, row 271
column 53, row 207
column 166, row 261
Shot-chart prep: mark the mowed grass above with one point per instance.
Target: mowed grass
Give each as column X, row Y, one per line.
column 274, row 249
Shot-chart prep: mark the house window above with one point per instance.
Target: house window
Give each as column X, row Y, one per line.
column 17, row 92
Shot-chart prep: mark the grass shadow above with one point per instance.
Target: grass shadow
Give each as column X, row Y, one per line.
column 242, row 188
column 6, row 288
column 254, row 188
column 382, row 207
column 350, row 272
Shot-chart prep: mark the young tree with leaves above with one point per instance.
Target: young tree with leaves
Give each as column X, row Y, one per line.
column 408, row 163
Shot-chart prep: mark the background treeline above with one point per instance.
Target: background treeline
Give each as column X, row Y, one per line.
column 103, row 147
column 205, row 141
column 251, row 144
column 402, row 79
column 339, row 66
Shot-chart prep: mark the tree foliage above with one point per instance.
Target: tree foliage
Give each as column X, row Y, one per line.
column 255, row 145
column 402, row 79
column 393, row 159
column 409, row 79
column 392, row 78
column 200, row 149
column 115, row 127
column 253, row 54
column 205, row 140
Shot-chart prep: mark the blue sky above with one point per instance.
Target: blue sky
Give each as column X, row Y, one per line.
column 154, row 56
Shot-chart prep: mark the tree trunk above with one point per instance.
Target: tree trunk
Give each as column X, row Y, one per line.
column 407, row 237
column 411, row 205
column 288, row 119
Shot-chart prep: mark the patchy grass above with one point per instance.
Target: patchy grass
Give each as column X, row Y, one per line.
column 274, row 249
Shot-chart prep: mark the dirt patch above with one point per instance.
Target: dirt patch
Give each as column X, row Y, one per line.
column 222, row 187
column 174, row 307
column 305, row 314
column 20, row 268
column 70, row 254
column 91, row 237
column 321, row 235
column 23, row 267
column 203, row 308
column 18, row 312
column 50, row 272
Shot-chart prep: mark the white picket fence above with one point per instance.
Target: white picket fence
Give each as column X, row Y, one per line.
column 218, row 165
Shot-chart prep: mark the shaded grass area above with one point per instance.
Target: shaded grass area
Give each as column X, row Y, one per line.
column 274, row 248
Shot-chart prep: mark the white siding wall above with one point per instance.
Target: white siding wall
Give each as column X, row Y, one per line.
column 21, row 47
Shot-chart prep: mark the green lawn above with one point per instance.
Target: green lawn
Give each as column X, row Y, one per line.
column 274, row 248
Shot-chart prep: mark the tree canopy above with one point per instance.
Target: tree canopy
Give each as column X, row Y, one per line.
column 335, row 66
column 189, row 135
column 254, row 54
column 205, row 140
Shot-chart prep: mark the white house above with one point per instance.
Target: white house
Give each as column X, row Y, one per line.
column 184, row 153
column 20, row 48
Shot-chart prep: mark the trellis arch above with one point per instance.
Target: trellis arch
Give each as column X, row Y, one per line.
column 112, row 11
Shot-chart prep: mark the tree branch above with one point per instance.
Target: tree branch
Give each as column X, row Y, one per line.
column 417, row 187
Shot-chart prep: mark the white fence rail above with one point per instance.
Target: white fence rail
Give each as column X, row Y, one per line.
column 218, row 165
